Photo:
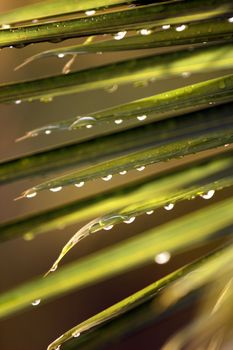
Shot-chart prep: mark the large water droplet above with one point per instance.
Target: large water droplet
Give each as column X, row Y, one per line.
column 181, row 28
column 61, row 55
column 5, row 26
column 90, row 12
column 120, row 35
column 83, row 121
column 162, row 258
column 107, row 178
column 145, row 31
column 55, row 189
column 31, row 194
column 79, row 184
column 48, row 132
column 166, row 26
column 169, row 206
column 130, row 220
column 208, row 195
column 142, row 117
column 118, row 121
column 36, row 302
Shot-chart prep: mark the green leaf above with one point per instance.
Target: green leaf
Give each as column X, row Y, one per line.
column 157, row 107
column 206, row 32
column 127, row 150
column 125, row 256
column 131, row 19
column 125, row 72
column 142, row 307
column 212, row 173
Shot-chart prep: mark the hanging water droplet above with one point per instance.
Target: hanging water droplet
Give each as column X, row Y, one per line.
column 145, row 31
column 107, row 178
column 150, row 212
column 230, row 19
column 31, row 194
column 79, row 184
column 120, row 35
column 5, row 26
column 36, row 302
column 130, row 220
column 166, row 26
column 208, row 195
column 169, row 206
column 142, row 117
column 76, row 334
column 141, row 168
column 90, row 12
column 17, row 102
column 181, row 28
column 56, row 189
column 123, row 172
column 162, row 258
column 118, row 121
column 107, row 228
column 47, row 132
column 61, row 55
column 53, row 268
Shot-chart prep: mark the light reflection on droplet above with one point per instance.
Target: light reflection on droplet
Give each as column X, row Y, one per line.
column 89, row 126
column 181, row 28
column 36, row 302
column 53, row 268
column 118, row 121
column 186, row 74
column 141, row 168
column 61, row 55
column 169, row 206
column 90, row 12
column 31, row 195
column 150, row 212
column 130, row 220
column 145, row 31
column 17, row 102
column 79, row 184
column 5, row 26
column 55, row 189
column 162, row 258
column 208, row 195
column 76, row 334
column 141, row 117
column 107, row 178
column 47, row 132
column 120, row 35
column 166, row 26
column 230, row 19
column 107, row 228
column 226, row 145
column 123, row 172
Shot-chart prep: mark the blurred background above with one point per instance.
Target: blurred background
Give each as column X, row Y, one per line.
column 21, row 260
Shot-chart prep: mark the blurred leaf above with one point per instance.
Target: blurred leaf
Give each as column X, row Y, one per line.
column 188, row 231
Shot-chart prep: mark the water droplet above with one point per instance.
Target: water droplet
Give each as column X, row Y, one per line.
column 162, row 258
column 17, row 102
column 118, row 121
column 145, row 31
column 142, row 117
column 123, row 172
column 89, row 126
column 230, row 19
column 150, row 212
column 80, row 184
column 55, row 189
column 31, row 194
column 107, row 228
column 186, row 74
column 120, row 35
column 169, row 206
column 36, row 302
column 112, row 88
column 35, row 21
column 208, row 195
column 90, row 12
column 166, row 26
column 226, row 145
column 76, row 334
column 181, row 28
column 107, row 178
column 130, row 220
column 58, row 347
column 61, row 55
column 53, row 268
column 47, row 132
column 83, row 121
column 5, row 26
column 141, row 168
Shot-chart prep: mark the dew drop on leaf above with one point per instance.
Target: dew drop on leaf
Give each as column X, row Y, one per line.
column 107, row 228
column 130, row 220
column 107, row 178
column 123, row 172
column 79, row 184
column 120, row 35
column 162, row 258
column 36, row 302
column 141, row 168
column 150, row 212
column 169, row 206
column 55, row 189
column 31, row 195
column 208, row 195
column 141, row 117
column 118, row 121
